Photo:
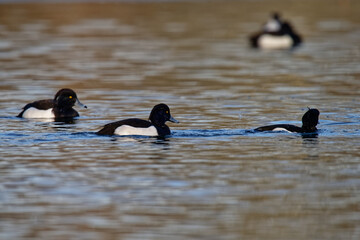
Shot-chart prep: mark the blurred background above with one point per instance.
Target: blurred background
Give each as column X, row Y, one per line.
column 212, row 179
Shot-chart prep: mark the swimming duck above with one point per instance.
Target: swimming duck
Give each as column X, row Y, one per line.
column 309, row 122
column 155, row 126
column 59, row 107
column 276, row 34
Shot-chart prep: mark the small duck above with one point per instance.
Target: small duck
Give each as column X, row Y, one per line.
column 309, row 121
column 155, row 126
column 276, row 34
column 58, row 108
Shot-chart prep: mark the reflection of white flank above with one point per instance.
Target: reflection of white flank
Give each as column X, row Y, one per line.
column 36, row 113
column 267, row 41
column 129, row 130
column 280, row 129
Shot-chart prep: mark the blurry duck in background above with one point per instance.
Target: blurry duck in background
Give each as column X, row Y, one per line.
column 276, row 34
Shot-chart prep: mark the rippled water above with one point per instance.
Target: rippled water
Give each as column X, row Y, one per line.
column 213, row 178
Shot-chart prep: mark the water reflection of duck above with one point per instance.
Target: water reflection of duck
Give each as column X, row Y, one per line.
column 60, row 107
column 276, row 34
column 155, row 126
column 309, row 121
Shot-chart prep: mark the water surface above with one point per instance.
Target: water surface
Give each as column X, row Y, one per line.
column 213, row 178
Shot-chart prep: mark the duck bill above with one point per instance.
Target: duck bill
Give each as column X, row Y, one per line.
column 78, row 103
column 173, row 120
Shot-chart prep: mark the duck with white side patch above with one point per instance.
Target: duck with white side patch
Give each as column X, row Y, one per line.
column 155, row 126
column 275, row 34
column 309, row 121
column 61, row 107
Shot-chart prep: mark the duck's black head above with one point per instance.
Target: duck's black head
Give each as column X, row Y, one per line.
column 66, row 98
column 276, row 16
column 160, row 114
column 310, row 120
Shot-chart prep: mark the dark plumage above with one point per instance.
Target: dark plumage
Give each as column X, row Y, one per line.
column 155, row 126
column 60, row 106
column 309, row 120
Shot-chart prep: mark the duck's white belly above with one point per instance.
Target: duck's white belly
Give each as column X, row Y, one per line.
column 129, row 130
column 275, row 42
column 37, row 113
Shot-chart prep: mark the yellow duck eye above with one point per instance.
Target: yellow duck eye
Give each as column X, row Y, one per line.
column 70, row 97
column 167, row 112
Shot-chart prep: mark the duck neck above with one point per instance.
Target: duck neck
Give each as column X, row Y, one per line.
column 309, row 128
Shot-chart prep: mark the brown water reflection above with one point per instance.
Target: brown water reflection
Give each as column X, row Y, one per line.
column 212, row 179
